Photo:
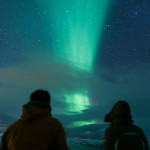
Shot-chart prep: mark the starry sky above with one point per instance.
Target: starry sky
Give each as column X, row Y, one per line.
column 87, row 53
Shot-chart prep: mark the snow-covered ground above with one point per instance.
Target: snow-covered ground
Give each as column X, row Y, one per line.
column 83, row 142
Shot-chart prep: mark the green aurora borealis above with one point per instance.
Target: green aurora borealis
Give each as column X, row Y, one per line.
column 77, row 27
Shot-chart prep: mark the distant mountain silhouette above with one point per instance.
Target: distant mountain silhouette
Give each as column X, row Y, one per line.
column 5, row 121
column 93, row 131
column 6, row 118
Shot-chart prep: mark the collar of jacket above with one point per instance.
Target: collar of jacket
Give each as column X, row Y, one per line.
column 30, row 112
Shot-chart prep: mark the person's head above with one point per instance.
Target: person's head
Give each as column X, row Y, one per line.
column 120, row 113
column 40, row 98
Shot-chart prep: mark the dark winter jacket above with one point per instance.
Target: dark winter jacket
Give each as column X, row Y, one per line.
column 114, row 132
column 122, row 129
column 35, row 130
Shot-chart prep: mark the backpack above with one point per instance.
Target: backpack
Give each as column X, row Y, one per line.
column 129, row 141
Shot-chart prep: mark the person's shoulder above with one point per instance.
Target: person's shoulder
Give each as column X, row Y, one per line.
column 12, row 126
column 115, row 129
column 136, row 127
column 55, row 121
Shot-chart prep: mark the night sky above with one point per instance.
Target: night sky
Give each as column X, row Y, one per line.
column 87, row 53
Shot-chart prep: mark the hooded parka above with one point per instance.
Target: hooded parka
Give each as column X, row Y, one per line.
column 122, row 126
column 35, row 130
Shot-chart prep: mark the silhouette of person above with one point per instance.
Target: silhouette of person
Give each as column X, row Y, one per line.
column 122, row 134
column 36, row 129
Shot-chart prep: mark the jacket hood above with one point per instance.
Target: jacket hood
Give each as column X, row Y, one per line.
column 120, row 113
column 30, row 112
